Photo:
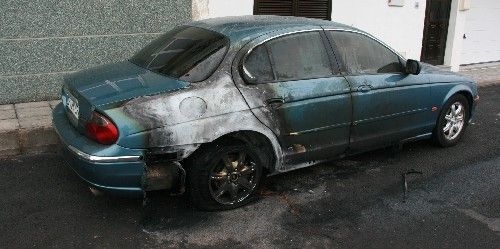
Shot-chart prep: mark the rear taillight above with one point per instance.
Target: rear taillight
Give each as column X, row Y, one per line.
column 101, row 129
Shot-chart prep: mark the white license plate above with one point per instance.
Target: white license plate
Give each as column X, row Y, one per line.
column 73, row 107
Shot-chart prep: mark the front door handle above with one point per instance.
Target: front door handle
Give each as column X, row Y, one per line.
column 275, row 102
column 364, row 88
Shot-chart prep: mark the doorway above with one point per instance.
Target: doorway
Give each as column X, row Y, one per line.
column 437, row 16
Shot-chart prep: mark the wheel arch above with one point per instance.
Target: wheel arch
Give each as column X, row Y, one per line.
column 257, row 138
column 470, row 99
column 462, row 90
column 438, row 134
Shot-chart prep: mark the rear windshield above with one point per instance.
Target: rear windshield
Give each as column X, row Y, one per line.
column 188, row 53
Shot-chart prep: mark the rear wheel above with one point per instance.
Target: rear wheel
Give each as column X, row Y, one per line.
column 452, row 121
column 226, row 175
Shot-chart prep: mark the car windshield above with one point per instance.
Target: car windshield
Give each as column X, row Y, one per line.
column 187, row 53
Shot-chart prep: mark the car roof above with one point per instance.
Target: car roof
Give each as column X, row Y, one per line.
column 247, row 27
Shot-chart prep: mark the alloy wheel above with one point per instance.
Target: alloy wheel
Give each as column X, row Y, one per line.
column 233, row 178
column 454, row 121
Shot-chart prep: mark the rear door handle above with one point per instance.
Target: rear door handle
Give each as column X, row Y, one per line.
column 275, row 102
column 364, row 88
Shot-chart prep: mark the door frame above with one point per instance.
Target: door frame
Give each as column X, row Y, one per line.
column 425, row 35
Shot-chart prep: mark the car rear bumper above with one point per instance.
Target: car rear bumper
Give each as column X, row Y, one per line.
column 111, row 169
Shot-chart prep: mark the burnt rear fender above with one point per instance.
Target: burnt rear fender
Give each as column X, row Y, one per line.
column 181, row 140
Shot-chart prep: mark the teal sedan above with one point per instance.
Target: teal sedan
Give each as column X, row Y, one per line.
column 214, row 106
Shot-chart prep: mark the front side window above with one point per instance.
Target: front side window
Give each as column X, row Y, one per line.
column 363, row 55
column 187, row 53
column 299, row 56
column 292, row 57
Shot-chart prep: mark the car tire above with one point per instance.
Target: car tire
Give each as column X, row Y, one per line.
column 452, row 121
column 225, row 175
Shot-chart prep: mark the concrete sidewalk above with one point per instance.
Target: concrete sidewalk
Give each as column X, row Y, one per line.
column 485, row 73
column 26, row 128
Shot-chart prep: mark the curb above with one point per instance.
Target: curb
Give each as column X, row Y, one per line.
column 26, row 128
column 28, row 141
column 488, row 83
column 38, row 140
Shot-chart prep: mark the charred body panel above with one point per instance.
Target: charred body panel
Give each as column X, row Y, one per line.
column 180, row 121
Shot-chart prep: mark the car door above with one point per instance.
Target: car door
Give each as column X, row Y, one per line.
column 388, row 104
column 292, row 87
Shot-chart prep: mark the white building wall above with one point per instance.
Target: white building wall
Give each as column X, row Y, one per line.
column 399, row 27
column 482, row 32
column 454, row 40
column 203, row 9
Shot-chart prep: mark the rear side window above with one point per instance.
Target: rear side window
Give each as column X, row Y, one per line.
column 363, row 55
column 292, row 57
column 187, row 53
column 258, row 66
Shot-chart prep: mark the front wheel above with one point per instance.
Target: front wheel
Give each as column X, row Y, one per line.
column 452, row 121
column 226, row 176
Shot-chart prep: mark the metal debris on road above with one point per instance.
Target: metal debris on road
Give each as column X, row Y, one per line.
column 405, row 183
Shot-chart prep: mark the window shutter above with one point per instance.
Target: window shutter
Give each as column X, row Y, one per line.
column 274, row 7
column 320, row 9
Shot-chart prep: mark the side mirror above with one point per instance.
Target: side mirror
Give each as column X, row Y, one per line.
column 413, row 67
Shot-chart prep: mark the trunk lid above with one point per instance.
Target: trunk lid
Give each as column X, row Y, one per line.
column 102, row 86
column 117, row 82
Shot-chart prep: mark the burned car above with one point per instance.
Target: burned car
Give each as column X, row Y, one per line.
column 218, row 104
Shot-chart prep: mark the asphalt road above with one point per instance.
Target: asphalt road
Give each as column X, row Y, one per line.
column 353, row 203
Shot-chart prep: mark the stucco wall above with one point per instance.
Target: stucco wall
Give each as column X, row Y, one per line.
column 40, row 41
